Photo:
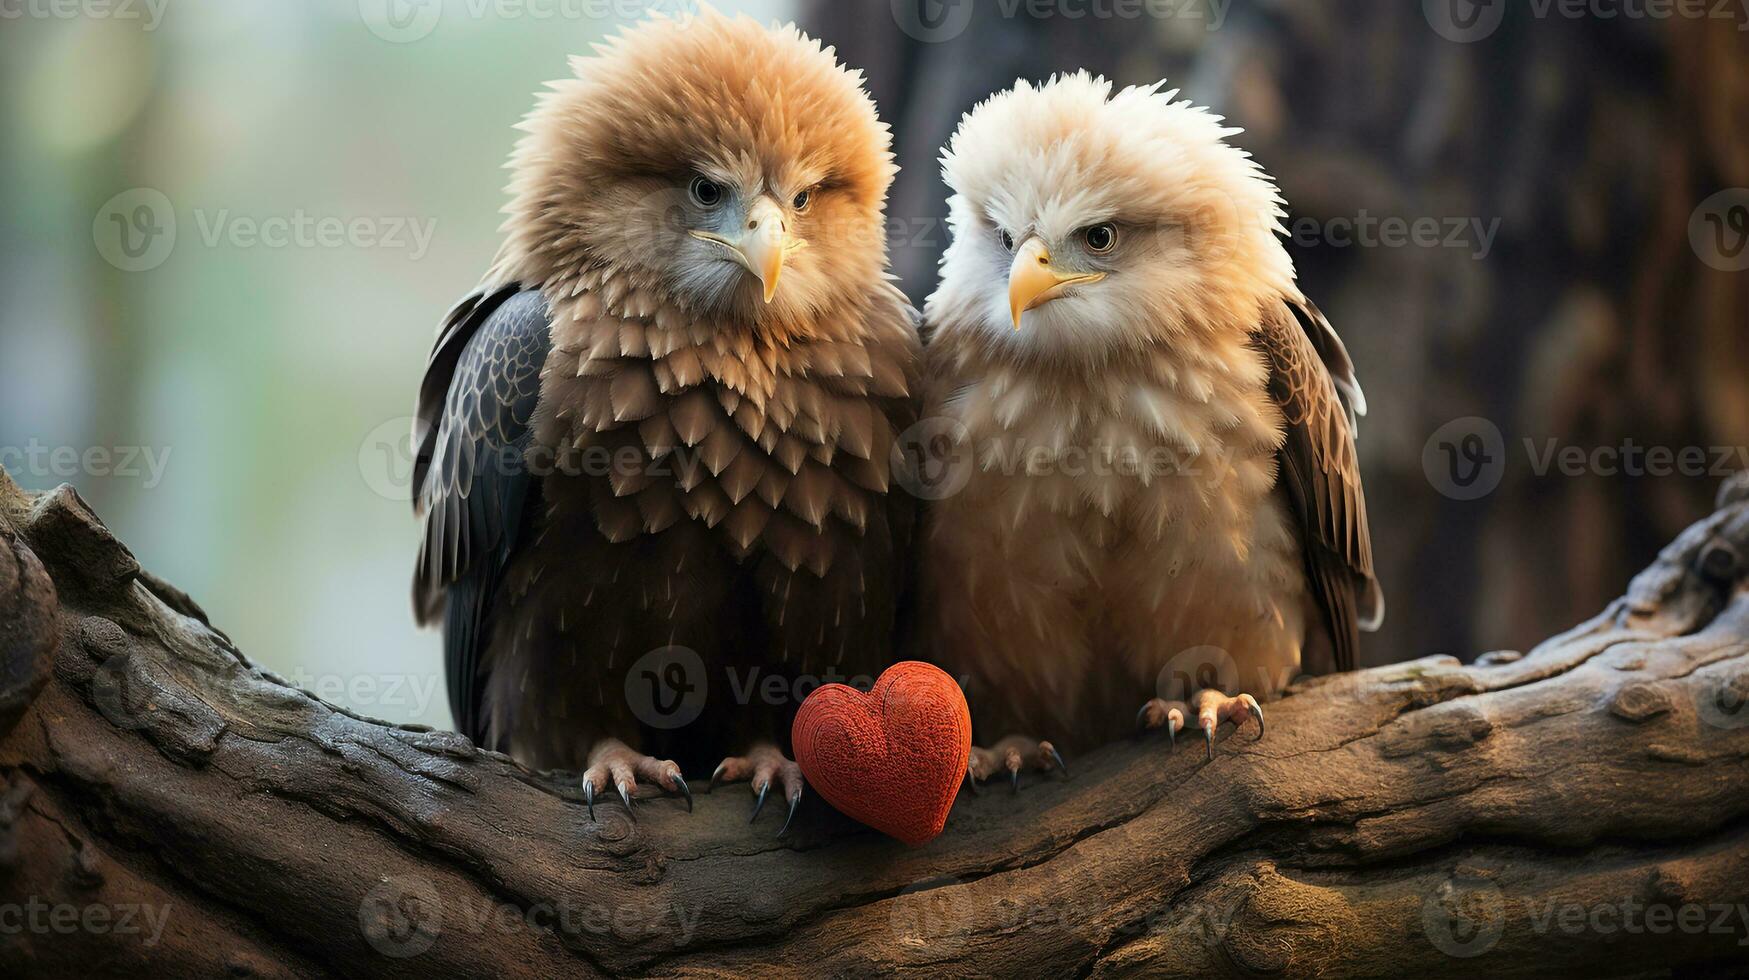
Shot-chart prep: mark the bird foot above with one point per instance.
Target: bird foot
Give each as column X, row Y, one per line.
column 614, row 764
column 1012, row 754
column 761, row 766
column 1158, row 713
column 1210, row 707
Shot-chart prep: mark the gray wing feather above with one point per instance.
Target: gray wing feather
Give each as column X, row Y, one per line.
column 470, row 481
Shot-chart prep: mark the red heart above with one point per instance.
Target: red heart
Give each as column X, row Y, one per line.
column 892, row 758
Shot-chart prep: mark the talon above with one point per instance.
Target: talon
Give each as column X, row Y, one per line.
column 627, row 797
column 589, row 798
column 792, row 814
column 972, row 781
column 1171, row 736
column 1208, row 734
column 1256, row 712
column 718, row 774
column 1057, row 757
column 685, row 790
column 1014, row 781
column 759, row 804
column 1142, row 721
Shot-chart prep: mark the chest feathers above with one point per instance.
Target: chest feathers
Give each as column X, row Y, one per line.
column 774, row 446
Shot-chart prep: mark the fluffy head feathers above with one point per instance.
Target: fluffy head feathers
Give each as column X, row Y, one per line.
column 1195, row 219
column 601, row 179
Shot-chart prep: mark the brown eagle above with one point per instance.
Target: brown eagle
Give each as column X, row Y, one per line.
column 1161, row 501
column 653, row 445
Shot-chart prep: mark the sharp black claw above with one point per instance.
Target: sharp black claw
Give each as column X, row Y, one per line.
column 1257, row 713
column 792, row 815
column 718, row 774
column 1171, row 737
column 627, row 798
column 1058, row 758
column 759, row 804
column 1208, row 734
column 971, row 781
column 1142, row 721
column 685, row 790
column 589, row 798
column 1014, row 782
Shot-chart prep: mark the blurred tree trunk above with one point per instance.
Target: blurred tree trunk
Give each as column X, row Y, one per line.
column 1591, row 141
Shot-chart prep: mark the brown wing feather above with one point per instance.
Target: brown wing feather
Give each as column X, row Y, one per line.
column 1312, row 380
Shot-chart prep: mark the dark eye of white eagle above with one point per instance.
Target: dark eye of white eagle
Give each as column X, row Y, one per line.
column 1101, row 237
column 706, row 192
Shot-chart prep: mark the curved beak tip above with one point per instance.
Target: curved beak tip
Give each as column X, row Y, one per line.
column 1033, row 281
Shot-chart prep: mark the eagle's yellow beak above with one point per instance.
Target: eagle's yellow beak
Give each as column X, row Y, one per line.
column 761, row 245
column 1032, row 281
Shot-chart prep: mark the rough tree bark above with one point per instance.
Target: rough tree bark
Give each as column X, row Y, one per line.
column 166, row 806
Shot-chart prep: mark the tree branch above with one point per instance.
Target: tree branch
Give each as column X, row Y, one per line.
column 1515, row 816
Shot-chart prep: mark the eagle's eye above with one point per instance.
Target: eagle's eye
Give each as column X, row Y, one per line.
column 1007, row 239
column 706, row 192
column 1101, row 237
column 802, row 200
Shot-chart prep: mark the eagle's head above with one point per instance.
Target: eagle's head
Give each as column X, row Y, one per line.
column 1087, row 223
column 713, row 165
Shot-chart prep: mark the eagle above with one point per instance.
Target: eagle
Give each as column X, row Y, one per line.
column 1156, row 496
column 654, row 444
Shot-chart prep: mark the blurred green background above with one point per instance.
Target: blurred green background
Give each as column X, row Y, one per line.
column 270, row 374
